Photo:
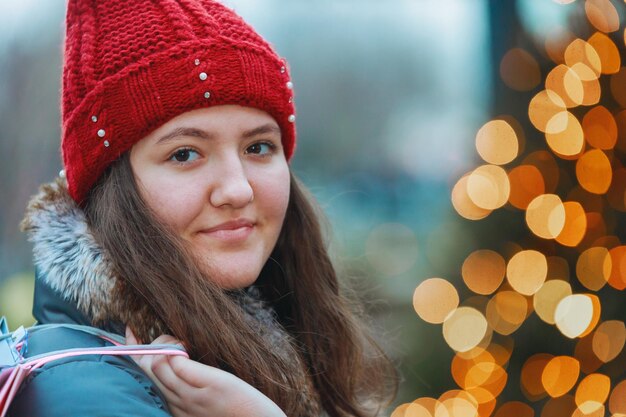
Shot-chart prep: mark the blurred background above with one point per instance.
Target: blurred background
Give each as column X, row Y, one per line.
column 469, row 156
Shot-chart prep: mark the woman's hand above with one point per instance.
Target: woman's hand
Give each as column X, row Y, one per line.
column 193, row 389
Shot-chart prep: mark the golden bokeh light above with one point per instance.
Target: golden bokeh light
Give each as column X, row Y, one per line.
column 559, row 407
column 547, row 112
column 617, row 400
column 560, row 375
column 463, row 362
column 480, row 376
column 527, row 271
column 434, row 300
column 568, row 142
column 571, row 190
column 457, row 406
column 581, row 52
column 530, row 377
column 546, row 164
column 548, row 298
column 602, row 15
column 598, row 410
column 506, row 311
column 545, row 216
column 592, row 392
column 497, row 142
column 488, row 187
column 430, row 404
column 608, row 340
column 591, row 83
column 463, row 204
column 464, row 329
column 617, row 279
column 399, row 410
column 575, row 314
column 567, row 84
column 483, row 271
column 600, row 128
column 618, row 86
column 593, row 171
column 514, row 409
column 417, row 410
column 575, row 224
column 607, row 51
column 519, row 70
column 593, row 268
column 526, row 184
column 583, row 351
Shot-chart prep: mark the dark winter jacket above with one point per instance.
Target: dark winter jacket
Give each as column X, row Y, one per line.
column 74, row 284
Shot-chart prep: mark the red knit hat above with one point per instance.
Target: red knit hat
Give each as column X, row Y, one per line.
column 132, row 65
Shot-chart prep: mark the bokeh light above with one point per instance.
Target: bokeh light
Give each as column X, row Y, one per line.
column 602, row 14
column 464, row 329
column 527, row 271
column 519, row 70
column 496, row 142
column 434, row 300
column 560, row 375
column 608, row 340
column 545, row 216
column 547, row 112
column 593, row 268
column 600, row 128
column 593, row 171
column 526, row 184
column 506, row 311
column 581, row 52
column 592, row 393
column 463, row 204
column 575, row 314
column 483, row 271
column 568, row 140
column 607, row 51
column 530, row 378
column 566, row 198
column 617, row 400
column 548, row 298
column 488, row 187
column 575, row 224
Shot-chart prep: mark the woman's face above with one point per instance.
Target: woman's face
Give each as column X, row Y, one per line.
column 218, row 177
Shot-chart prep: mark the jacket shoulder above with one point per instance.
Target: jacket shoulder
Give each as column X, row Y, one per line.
column 90, row 385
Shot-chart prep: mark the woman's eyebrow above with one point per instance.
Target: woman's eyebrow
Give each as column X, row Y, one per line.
column 199, row 133
column 185, row 131
column 267, row 128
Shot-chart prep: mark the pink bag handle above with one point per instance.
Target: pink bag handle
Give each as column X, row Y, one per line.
column 120, row 350
column 13, row 376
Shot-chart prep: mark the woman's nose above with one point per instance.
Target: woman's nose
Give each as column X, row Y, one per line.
column 231, row 186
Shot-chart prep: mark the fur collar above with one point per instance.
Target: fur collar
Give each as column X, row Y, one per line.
column 66, row 253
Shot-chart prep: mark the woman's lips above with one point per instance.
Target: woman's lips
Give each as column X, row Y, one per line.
column 232, row 231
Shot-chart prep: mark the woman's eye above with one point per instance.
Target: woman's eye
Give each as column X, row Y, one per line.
column 261, row 148
column 184, row 155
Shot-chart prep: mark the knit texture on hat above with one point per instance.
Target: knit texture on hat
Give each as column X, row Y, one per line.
column 132, row 65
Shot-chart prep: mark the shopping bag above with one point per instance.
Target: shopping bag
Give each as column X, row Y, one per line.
column 14, row 368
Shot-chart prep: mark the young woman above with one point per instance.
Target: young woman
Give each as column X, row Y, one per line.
column 177, row 219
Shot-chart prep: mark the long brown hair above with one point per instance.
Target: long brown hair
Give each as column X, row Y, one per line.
column 162, row 290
